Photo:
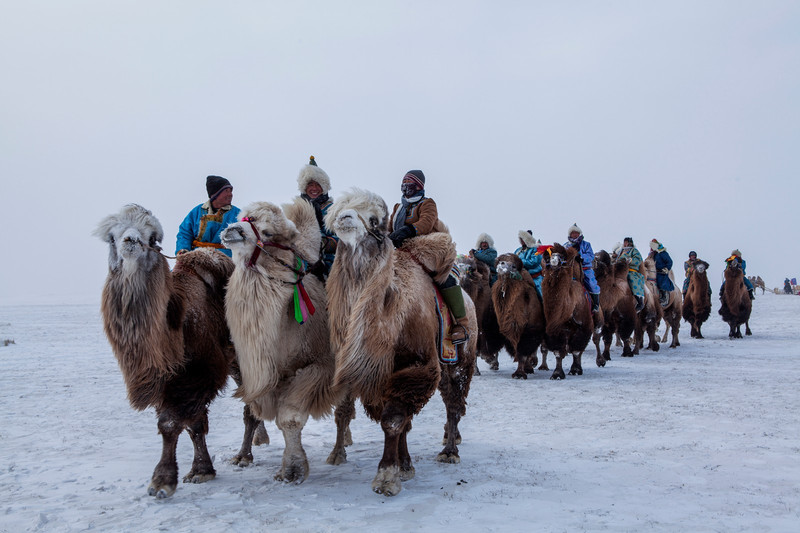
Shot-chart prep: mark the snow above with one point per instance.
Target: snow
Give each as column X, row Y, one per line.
column 700, row 438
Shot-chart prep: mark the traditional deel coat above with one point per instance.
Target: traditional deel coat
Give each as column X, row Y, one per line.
column 663, row 266
column 329, row 240
column 532, row 262
column 423, row 215
column 488, row 256
column 201, row 228
column 635, row 278
column 587, row 255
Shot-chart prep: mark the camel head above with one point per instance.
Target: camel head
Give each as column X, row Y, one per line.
column 509, row 265
column 700, row 266
column 133, row 236
column 358, row 217
column 270, row 223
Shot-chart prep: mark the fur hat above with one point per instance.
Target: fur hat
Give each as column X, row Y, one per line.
column 417, row 176
column 484, row 237
column 656, row 246
column 527, row 238
column 215, row 185
column 737, row 253
column 311, row 172
column 574, row 227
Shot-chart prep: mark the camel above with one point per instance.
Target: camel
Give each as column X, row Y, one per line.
column 735, row 301
column 279, row 324
column 169, row 335
column 758, row 283
column 386, row 331
column 567, row 310
column 671, row 313
column 648, row 319
column 697, row 304
column 474, row 278
column 519, row 313
column 616, row 301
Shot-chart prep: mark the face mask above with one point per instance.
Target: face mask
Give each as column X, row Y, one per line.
column 408, row 189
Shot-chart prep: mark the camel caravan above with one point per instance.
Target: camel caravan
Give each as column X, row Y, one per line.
column 313, row 305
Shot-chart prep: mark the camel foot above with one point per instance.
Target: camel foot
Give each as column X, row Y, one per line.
column 558, row 375
column 407, row 472
column 519, row 375
column 544, row 366
column 294, row 471
column 601, row 361
column 260, row 436
column 161, row 490
column 337, row 457
column 199, row 477
column 654, row 346
column 494, row 366
column 387, row 481
column 242, row 460
column 444, row 439
column 576, row 371
column 448, row 457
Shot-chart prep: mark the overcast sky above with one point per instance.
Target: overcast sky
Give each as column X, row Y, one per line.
column 676, row 120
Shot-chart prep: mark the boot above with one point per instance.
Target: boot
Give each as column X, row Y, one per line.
column 595, row 302
column 454, row 299
column 750, row 292
column 663, row 297
column 639, row 303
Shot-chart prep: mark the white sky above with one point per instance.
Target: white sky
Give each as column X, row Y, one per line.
column 677, row 120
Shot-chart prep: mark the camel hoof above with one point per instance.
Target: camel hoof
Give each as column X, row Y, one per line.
column 160, row 491
column 337, row 457
column 576, row 372
column 260, row 436
column 294, row 472
column 242, row 460
column 494, row 366
column 557, row 376
column 519, row 375
column 407, row 473
column 543, row 367
column 199, row 477
column 448, row 458
column 387, row 481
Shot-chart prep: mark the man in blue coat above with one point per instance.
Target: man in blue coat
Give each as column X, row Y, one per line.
column 204, row 223
column 585, row 252
column 663, row 266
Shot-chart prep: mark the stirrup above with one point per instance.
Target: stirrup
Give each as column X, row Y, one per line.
column 456, row 342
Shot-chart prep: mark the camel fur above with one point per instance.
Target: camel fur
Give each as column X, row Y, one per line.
column 384, row 329
column 671, row 313
column 735, row 301
column 474, row 279
column 168, row 333
column 697, row 304
column 616, row 301
column 519, row 313
column 567, row 309
column 286, row 367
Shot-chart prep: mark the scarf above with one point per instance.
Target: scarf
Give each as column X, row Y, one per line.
column 317, row 202
column 405, row 205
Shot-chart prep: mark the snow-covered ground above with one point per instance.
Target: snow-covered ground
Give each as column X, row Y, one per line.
column 705, row 437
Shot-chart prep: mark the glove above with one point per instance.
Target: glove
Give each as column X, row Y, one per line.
column 398, row 236
column 665, row 271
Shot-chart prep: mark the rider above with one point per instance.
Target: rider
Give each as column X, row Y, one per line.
column 486, row 253
column 531, row 258
column 630, row 253
column 204, row 223
column 314, row 184
column 688, row 267
column 586, row 254
column 737, row 255
column 663, row 266
column 418, row 215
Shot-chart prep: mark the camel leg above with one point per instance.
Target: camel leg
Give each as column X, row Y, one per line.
column 165, row 476
column 251, row 424
column 202, row 467
column 294, row 465
column 544, row 366
column 260, row 435
column 453, row 388
column 651, row 335
column 345, row 412
column 407, row 470
column 520, row 373
column 619, row 341
column 675, row 330
column 576, row 369
column 747, row 328
column 558, row 373
column 666, row 333
column 626, row 348
column 393, row 422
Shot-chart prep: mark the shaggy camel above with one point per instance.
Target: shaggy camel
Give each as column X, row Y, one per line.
column 758, row 283
column 279, row 324
column 735, row 301
column 169, row 335
column 697, row 304
column 671, row 313
column 648, row 319
column 617, row 302
column 474, row 280
column 519, row 313
column 385, row 331
column 567, row 310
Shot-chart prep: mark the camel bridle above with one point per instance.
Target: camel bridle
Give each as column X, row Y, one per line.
column 260, row 247
column 380, row 237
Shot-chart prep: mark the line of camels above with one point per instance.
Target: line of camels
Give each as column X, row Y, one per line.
column 298, row 346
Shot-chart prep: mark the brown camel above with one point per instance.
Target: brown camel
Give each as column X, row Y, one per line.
column 474, row 280
column 697, row 304
column 671, row 313
column 279, row 324
column 386, row 332
column 567, row 310
column 758, row 283
column 617, row 302
column 519, row 313
column 648, row 319
column 735, row 301
column 169, row 335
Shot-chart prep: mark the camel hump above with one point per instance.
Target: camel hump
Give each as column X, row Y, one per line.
column 302, row 214
column 436, row 252
column 213, row 267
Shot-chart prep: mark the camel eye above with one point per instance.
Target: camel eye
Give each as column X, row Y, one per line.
column 152, row 240
column 110, row 238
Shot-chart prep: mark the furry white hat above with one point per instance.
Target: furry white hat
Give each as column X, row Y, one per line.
column 656, row 246
column 527, row 238
column 617, row 248
column 311, row 172
column 484, row 237
column 574, row 227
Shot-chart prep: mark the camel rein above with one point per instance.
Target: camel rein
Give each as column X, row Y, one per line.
column 380, row 237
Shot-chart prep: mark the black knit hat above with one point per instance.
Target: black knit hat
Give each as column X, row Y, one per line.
column 417, row 176
column 215, row 185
